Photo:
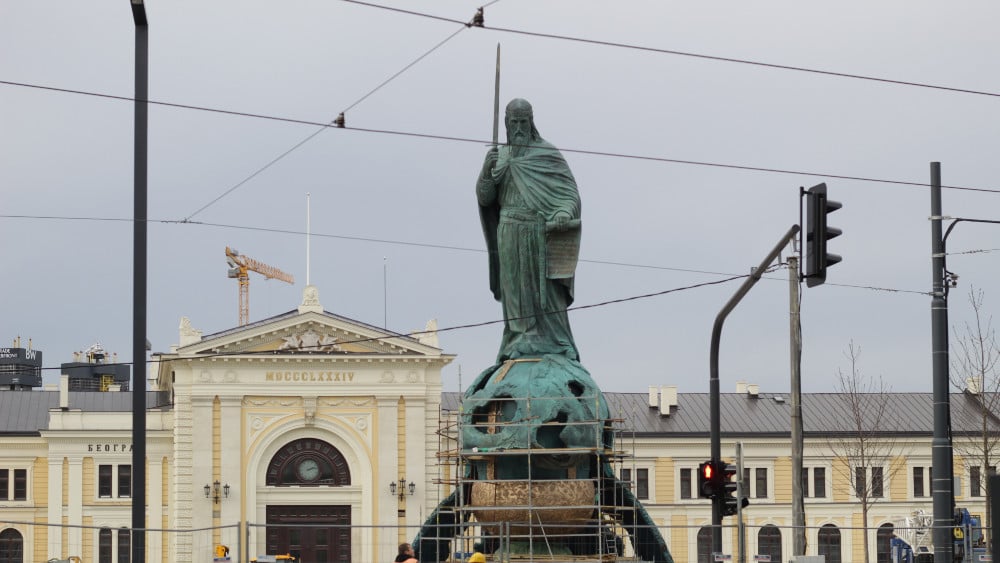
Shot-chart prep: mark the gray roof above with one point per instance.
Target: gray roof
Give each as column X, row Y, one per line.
column 27, row 412
column 769, row 414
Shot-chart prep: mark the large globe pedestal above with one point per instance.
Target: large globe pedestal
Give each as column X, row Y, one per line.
column 535, row 433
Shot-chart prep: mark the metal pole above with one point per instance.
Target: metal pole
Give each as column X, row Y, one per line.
column 795, row 330
column 139, row 285
column 713, row 380
column 941, row 444
column 741, row 544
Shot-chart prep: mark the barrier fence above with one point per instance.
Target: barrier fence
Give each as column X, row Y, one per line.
column 306, row 542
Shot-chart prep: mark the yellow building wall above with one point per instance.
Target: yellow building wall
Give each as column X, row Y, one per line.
column 40, row 482
column 89, row 554
column 65, row 484
column 959, row 468
column 783, row 479
column 841, row 480
column 858, row 538
column 41, row 539
column 88, row 481
column 679, row 547
column 663, row 477
column 898, row 479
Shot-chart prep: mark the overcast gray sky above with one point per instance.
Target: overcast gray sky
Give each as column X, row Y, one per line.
column 408, row 202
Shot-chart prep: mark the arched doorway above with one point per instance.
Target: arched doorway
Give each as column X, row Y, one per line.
column 314, row 532
column 11, row 546
column 883, row 543
column 769, row 542
column 828, row 540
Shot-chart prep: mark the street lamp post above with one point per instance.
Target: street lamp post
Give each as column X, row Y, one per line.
column 139, row 285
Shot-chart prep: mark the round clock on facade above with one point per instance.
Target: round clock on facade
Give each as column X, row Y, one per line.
column 308, row 469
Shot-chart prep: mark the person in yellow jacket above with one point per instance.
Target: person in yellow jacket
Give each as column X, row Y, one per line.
column 477, row 554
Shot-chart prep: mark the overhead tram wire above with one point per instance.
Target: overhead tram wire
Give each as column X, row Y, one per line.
column 692, row 55
column 333, row 122
column 466, row 326
column 485, row 142
column 447, row 247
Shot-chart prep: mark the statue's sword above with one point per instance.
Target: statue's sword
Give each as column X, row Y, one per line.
column 496, row 102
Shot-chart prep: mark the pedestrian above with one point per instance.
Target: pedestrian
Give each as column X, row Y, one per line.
column 405, row 554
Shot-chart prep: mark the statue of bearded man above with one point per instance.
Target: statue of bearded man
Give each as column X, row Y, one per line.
column 530, row 211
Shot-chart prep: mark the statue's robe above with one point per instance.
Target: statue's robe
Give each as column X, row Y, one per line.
column 531, row 188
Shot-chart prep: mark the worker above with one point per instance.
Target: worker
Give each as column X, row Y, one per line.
column 477, row 554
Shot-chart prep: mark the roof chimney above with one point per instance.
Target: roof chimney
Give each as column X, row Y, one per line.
column 974, row 385
column 741, row 387
column 668, row 399
column 64, row 392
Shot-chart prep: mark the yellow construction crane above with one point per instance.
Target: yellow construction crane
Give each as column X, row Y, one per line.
column 239, row 267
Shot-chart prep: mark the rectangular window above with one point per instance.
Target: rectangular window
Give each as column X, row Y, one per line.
column 977, row 485
column 124, row 481
column 860, row 482
column 4, row 484
column 805, row 482
column 877, row 482
column 686, row 483
column 642, row 484
column 761, row 484
column 819, row 482
column 918, row 482
column 627, row 478
column 20, row 484
column 104, row 477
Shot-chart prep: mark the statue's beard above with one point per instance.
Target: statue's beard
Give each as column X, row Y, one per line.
column 518, row 141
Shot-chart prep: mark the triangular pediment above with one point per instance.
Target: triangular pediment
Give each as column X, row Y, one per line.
column 310, row 333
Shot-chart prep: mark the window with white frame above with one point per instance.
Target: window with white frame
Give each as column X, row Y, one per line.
column 112, row 479
column 977, row 481
column 921, row 479
column 755, row 482
column 814, row 482
column 686, row 488
column 640, row 486
column 869, row 482
column 13, row 484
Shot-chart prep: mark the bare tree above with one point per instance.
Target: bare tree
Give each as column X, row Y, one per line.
column 975, row 372
column 866, row 442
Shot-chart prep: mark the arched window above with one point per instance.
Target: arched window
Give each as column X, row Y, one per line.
column 828, row 541
column 769, row 542
column 11, row 546
column 705, row 545
column 306, row 462
column 105, row 550
column 124, row 545
column 883, row 543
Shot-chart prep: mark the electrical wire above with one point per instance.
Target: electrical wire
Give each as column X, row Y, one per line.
column 689, row 54
column 444, row 247
column 324, row 127
column 486, row 142
column 465, row 326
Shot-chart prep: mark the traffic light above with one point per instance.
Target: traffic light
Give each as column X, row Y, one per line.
column 730, row 491
column 817, row 233
column 706, row 480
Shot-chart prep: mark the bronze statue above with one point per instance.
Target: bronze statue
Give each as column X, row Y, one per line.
column 530, row 210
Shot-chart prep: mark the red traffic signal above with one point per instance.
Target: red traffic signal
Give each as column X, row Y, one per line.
column 706, row 480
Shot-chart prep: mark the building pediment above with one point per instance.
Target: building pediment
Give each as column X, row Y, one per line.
column 310, row 333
